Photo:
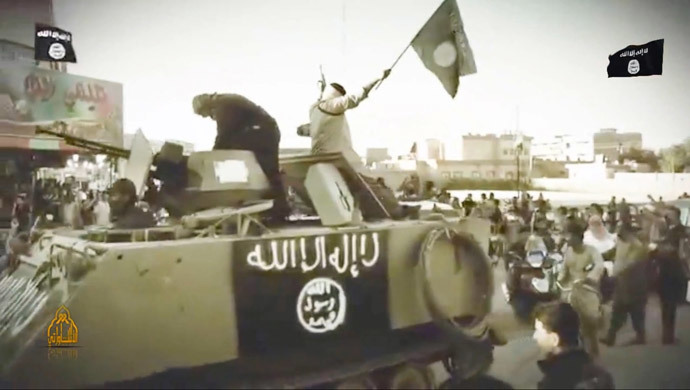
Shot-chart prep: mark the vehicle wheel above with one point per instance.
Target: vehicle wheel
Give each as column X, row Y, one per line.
column 410, row 376
column 359, row 382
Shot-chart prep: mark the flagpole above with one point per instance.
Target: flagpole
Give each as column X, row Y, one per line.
column 412, row 40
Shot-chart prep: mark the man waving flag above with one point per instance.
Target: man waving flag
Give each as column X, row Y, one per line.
column 443, row 47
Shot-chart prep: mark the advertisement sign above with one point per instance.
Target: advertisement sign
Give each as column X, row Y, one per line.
column 91, row 107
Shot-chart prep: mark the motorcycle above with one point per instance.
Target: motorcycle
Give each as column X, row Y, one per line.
column 532, row 277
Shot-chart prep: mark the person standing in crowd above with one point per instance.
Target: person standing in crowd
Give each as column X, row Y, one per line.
column 243, row 125
column 22, row 213
column 566, row 365
column 102, row 211
column 495, row 215
column 468, row 204
column 71, row 211
column 630, row 293
column 670, row 272
column 624, row 213
column 455, row 203
column 18, row 246
column 612, row 215
column 444, row 196
column 581, row 274
column 430, row 190
column 598, row 237
column 560, row 218
column 124, row 212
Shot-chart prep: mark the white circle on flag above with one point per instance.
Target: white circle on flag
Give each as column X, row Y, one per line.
column 445, row 54
column 56, row 51
column 633, row 67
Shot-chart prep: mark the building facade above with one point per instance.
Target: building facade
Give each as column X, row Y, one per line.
column 611, row 144
column 17, row 28
column 377, row 155
column 479, row 169
column 491, row 157
column 565, row 148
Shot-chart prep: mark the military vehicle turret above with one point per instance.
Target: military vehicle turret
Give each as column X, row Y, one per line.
column 345, row 298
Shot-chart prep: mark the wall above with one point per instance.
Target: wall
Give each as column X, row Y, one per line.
column 18, row 18
column 667, row 185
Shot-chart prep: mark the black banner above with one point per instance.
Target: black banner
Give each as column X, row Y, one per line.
column 53, row 44
column 640, row 60
column 307, row 293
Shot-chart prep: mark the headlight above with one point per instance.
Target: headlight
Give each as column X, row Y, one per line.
column 535, row 259
column 541, row 285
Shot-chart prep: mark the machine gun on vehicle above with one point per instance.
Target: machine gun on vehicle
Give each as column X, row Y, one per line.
column 59, row 130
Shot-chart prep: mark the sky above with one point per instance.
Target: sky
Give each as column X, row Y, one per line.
column 541, row 65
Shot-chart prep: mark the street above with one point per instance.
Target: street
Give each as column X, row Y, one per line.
column 647, row 366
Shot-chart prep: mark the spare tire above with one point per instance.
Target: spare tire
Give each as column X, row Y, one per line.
column 457, row 281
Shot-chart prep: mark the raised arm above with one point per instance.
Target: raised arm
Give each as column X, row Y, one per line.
column 341, row 104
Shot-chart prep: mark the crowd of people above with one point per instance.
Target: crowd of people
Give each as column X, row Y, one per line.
column 649, row 252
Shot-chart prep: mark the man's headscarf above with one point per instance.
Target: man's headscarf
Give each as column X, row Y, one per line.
column 596, row 226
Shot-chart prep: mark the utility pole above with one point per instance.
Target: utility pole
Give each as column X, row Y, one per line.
column 518, row 146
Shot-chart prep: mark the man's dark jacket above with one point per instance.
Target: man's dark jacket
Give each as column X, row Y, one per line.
column 573, row 369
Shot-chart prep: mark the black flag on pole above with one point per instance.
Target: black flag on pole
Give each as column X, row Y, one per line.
column 53, row 44
column 443, row 47
column 637, row 60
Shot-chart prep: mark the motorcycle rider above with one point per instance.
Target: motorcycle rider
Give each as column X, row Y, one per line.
column 583, row 267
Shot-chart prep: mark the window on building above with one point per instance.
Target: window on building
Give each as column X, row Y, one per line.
column 509, row 175
column 445, row 175
column 457, row 174
column 476, row 174
column 491, row 174
column 505, row 152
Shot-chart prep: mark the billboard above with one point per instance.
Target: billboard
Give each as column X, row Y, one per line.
column 30, row 96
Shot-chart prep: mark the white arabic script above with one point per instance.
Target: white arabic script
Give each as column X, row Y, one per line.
column 346, row 256
column 321, row 305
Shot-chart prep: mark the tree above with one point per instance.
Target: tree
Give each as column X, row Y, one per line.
column 641, row 156
column 676, row 157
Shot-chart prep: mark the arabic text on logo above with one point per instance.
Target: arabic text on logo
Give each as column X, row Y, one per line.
column 62, row 330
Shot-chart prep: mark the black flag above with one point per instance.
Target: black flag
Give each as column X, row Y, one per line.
column 53, row 44
column 634, row 61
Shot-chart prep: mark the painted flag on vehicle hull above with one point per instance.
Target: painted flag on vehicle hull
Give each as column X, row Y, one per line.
column 443, row 47
column 53, row 44
column 637, row 60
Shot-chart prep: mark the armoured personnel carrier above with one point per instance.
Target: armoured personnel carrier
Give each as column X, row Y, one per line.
column 346, row 298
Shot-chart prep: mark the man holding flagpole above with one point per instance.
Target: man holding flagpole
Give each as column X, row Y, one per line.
column 328, row 126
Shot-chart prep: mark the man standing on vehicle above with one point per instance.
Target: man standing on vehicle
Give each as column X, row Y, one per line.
column 328, row 126
column 330, row 133
column 630, row 293
column 243, row 125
